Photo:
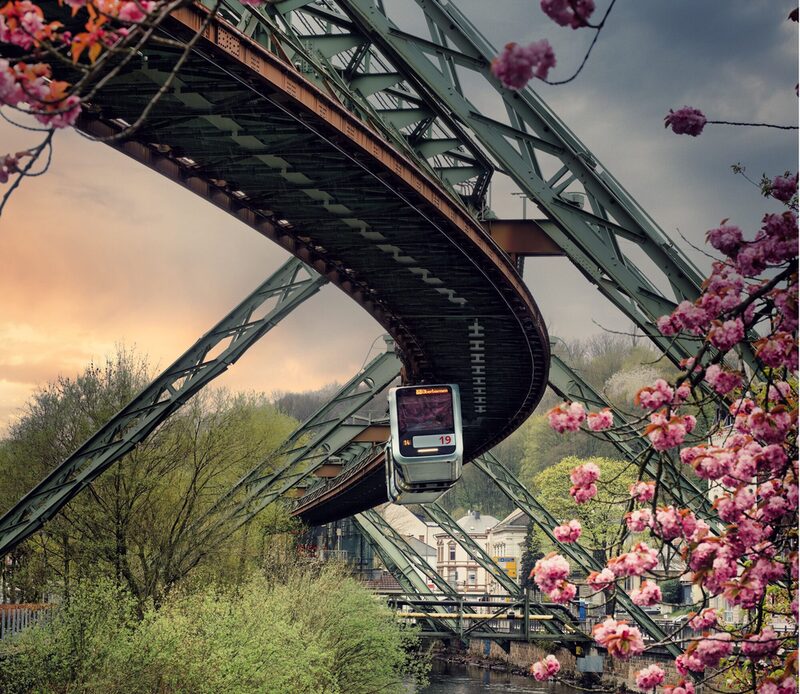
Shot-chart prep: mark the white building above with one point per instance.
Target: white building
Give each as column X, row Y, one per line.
column 453, row 563
column 506, row 545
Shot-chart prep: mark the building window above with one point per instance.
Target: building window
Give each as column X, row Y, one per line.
column 452, row 548
column 472, row 578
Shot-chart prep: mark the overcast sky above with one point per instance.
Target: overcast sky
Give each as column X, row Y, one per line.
column 102, row 251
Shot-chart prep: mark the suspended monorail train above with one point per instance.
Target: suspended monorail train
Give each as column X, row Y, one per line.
column 425, row 451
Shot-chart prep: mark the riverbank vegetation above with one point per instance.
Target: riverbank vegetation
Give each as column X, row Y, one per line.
column 309, row 629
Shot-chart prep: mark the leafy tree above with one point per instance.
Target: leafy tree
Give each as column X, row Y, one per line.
column 135, row 524
column 602, row 518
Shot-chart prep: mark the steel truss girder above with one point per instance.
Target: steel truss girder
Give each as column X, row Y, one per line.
column 309, row 447
column 408, row 562
column 209, row 357
column 589, row 239
column 399, row 560
column 570, row 386
column 399, row 543
column 524, row 500
column 379, row 89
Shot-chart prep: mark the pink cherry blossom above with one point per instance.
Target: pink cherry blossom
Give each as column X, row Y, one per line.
column 601, row 580
column 762, row 644
column 647, row 594
column 667, row 325
column 563, row 593
column 650, row 678
column 572, row 13
column 63, row 115
column 784, row 187
column 639, row 520
column 751, row 260
column 637, row 561
column 546, row 668
column 583, row 494
column 724, row 335
column 778, row 237
column 135, row 10
column 619, row 638
column 516, row 65
column 655, row 396
column 643, row 491
column 670, row 523
column 780, row 392
column 685, row 121
column 705, row 620
column 682, row 393
column 583, row 478
column 745, row 591
column 682, row 687
column 770, row 427
column 779, row 349
column 711, row 649
column 585, row 474
column 550, row 571
column 667, row 433
column 600, row 421
column 732, row 507
column 566, row 417
column 721, row 380
column 568, row 532
column 727, row 239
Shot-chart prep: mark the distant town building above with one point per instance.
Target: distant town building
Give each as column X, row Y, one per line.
column 506, row 545
column 453, row 563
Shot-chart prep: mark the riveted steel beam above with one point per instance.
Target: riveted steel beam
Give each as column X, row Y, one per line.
column 447, row 523
column 402, row 568
column 209, row 357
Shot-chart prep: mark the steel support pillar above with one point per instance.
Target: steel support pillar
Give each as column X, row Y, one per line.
column 532, row 135
column 209, row 357
column 447, row 523
column 402, row 562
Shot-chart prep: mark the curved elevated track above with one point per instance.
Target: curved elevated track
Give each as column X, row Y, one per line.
column 247, row 131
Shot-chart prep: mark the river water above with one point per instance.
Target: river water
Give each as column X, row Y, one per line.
column 455, row 678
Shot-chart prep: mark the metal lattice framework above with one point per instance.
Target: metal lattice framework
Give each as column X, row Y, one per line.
column 531, row 145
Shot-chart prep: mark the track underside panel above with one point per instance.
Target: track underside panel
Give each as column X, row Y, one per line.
column 431, row 277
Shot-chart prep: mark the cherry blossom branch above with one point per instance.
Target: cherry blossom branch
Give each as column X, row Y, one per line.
column 577, row 72
column 24, row 172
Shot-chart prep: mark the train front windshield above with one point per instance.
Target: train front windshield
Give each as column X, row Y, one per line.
column 425, row 421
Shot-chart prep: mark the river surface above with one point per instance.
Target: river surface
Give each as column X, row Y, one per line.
column 455, row 678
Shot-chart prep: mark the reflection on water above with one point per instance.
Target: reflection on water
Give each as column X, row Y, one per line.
column 452, row 678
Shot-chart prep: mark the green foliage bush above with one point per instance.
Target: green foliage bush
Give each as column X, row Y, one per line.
column 316, row 631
